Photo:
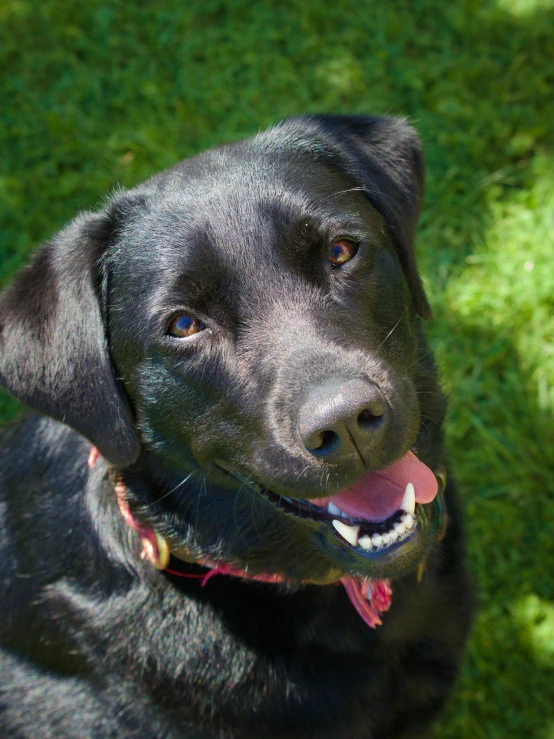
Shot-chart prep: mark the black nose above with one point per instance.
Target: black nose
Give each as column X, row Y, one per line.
column 342, row 417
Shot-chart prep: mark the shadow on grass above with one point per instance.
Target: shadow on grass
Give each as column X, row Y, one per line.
column 502, row 448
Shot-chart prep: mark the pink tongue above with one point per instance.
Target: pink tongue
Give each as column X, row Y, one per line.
column 379, row 494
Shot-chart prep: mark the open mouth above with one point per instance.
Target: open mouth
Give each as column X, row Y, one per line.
column 360, row 533
column 378, row 513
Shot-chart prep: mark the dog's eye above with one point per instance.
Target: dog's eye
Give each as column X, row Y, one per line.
column 183, row 326
column 342, row 251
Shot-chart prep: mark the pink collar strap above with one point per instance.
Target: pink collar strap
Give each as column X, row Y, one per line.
column 370, row 598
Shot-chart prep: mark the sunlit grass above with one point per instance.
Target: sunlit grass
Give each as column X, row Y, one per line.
column 520, row 8
column 106, row 92
column 537, row 616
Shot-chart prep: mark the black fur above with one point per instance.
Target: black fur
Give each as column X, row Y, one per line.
column 96, row 642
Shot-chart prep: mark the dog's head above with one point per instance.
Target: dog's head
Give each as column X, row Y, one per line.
column 238, row 334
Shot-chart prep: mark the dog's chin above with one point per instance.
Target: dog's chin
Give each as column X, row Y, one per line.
column 350, row 547
column 301, row 542
column 384, row 528
column 380, row 527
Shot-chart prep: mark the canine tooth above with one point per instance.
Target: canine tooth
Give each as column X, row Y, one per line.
column 365, row 542
column 377, row 539
column 408, row 520
column 393, row 535
column 399, row 528
column 350, row 533
column 386, row 538
column 408, row 501
column 333, row 509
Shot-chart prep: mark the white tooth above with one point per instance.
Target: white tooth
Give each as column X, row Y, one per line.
column 408, row 501
column 377, row 539
column 408, row 520
column 386, row 538
column 365, row 542
column 393, row 535
column 333, row 509
column 350, row 533
column 400, row 528
column 369, row 595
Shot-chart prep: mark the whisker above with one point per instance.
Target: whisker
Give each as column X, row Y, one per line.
column 203, row 491
column 425, row 393
column 393, row 329
column 171, row 491
column 254, row 515
column 424, row 419
column 235, row 513
column 426, row 354
column 341, row 192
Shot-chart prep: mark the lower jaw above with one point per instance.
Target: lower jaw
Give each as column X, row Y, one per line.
column 395, row 560
column 337, row 558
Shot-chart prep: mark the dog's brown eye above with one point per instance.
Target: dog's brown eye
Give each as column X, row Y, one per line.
column 183, row 326
column 342, row 251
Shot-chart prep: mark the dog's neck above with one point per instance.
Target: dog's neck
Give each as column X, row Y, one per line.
column 370, row 598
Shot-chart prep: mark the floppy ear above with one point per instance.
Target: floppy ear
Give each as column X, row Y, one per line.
column 54, row 352
column 384, row 155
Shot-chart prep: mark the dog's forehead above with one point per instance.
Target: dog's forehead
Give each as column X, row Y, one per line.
column 217, row 232
column 238, row 204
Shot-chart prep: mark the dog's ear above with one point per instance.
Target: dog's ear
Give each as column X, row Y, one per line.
column 54, row 353
column 384, row 155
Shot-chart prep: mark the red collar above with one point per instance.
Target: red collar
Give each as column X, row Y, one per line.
column 370, row 598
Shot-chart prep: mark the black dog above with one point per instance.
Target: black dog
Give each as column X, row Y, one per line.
column 238, row 338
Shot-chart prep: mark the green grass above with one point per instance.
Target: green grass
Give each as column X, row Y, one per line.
column 99, row 93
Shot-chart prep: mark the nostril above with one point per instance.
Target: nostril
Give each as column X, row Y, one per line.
column 368, row 419
column 328, row 441
column 339, row 417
